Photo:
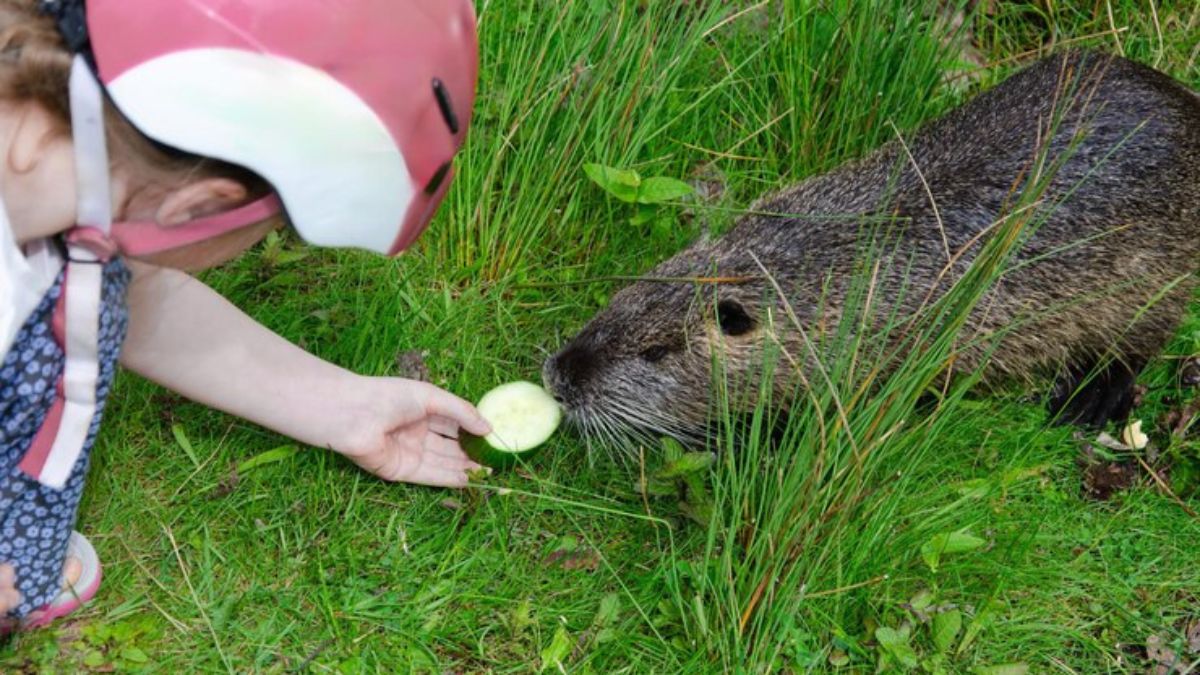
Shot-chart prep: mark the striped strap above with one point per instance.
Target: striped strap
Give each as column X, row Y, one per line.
column 58, row 444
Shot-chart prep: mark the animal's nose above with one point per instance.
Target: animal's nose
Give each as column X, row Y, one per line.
column 574, row 364
column 567, row 370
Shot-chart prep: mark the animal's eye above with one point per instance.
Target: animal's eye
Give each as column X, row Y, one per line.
column 733, row 319
column 654, row 354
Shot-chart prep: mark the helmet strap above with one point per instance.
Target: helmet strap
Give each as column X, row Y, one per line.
column 58, row 444
column 93, row 188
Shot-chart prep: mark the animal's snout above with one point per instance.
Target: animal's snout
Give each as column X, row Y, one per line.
column 564, row 372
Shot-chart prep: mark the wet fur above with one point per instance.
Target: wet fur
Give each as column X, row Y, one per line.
column 1101, row 257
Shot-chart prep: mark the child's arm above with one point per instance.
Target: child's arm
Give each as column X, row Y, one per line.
column 188, row 338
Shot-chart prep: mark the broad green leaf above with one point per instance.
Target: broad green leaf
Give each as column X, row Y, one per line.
column 896, row 645
column 93, row 659
column 565, row 544
column 976, row 488
column 125, row 631
column 560, row 648
column 672, row 449
column 271, row 246
column 600, row 298
column 659, row 189
column 521, row 617
column 620, row 183
column 654, row 487
column 289, row 257
column 689, row 463
column 663, row 226
column 699, row 505
column 269, row 457
column 945, row 628
column 948, row 543
column 643, row 215
column 134, row 655
column 1022, row 473
column 610, row 608
column 182, row 439
column 935, row 665
column 921, row 600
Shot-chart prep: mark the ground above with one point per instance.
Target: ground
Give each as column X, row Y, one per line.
column 973, row 543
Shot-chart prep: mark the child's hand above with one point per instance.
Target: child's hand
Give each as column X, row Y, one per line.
column 404, row 430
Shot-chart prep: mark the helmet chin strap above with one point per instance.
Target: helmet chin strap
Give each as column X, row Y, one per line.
column 139, row 239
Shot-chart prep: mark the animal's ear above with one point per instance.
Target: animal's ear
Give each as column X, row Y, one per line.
column 733, row 318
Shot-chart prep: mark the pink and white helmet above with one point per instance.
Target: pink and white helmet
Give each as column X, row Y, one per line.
column 352, row 110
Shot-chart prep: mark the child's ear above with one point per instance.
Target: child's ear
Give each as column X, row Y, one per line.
column 32, row 135
column 199, row 198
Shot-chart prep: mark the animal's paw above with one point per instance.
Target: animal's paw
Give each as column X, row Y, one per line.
column 1090, row 398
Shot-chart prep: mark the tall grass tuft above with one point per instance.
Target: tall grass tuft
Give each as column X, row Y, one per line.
column 565, row 83
column 776, row 90
column 824, row 88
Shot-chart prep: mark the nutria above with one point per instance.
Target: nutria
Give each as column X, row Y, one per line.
column 1096, row 289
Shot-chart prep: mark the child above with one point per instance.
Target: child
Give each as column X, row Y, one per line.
column 144, row 137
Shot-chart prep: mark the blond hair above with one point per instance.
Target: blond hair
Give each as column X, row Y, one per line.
column 35, row 68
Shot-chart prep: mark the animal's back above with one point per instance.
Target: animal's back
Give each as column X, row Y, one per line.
column 1114, row 150
column 1117, row 215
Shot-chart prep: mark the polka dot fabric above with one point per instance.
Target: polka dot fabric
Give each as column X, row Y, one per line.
column 35, row 520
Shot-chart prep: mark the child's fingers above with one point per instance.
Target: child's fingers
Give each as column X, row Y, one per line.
column 448, row 405
column 8, row 576
column 443, row 426
column 438, row 476
column 444, row 447
column 447, row 453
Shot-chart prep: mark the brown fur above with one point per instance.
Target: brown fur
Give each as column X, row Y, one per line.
column 1121, row 224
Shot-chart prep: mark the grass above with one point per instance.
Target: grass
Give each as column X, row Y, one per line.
column 305, row 563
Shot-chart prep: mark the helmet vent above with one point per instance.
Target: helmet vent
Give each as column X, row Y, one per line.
column 443, row 100
column 438, row 177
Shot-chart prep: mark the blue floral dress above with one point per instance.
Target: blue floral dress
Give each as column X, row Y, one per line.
column 35, row 520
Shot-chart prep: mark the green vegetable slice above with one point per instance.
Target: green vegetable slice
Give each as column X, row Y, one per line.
column 523, row 417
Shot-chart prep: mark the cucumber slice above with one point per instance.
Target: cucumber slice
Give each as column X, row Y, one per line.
column 523, row 416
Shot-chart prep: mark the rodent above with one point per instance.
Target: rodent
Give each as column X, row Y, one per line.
column 1125, row 228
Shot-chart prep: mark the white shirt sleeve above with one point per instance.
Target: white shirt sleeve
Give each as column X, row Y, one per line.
column 25, row 276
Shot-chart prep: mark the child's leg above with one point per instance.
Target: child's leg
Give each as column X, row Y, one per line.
column 9, row 596
column 36, row 550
